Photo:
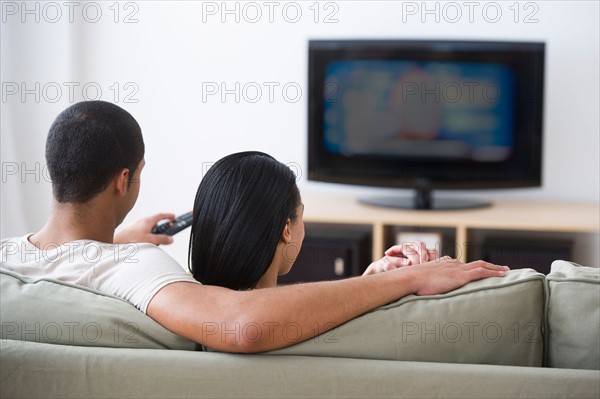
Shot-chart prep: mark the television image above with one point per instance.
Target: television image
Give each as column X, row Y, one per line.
column 426, row 115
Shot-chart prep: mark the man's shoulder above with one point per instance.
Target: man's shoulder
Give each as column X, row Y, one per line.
column 18, row 251
column 13, row 244
column 18, row 239
column 143, row 249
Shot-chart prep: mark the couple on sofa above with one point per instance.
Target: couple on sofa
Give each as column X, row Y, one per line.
column 247, row 229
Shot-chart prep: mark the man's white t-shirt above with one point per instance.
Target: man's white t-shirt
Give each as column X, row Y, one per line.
column 134, row 272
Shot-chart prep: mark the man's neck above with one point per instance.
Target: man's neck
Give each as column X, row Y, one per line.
column 69, row 222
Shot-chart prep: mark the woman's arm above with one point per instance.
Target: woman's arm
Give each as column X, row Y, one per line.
column 406, row 254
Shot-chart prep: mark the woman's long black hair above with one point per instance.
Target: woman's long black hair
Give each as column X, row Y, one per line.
column 241, row 208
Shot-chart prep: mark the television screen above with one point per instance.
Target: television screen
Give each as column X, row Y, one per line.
column 426, row 114
column 414, row 109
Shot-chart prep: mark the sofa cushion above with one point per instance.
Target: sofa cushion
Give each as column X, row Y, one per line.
column 55, row 312
column 490, row 321
column 37, row 370
column 573, row 316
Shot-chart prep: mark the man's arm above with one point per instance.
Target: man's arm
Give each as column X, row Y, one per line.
column 141, row 231
column 272, row 318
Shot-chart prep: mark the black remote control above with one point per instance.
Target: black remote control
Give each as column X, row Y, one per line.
column 174, row 226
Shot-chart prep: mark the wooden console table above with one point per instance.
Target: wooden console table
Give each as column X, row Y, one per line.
column 503, row 216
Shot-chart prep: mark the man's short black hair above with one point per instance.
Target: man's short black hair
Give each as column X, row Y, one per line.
column 87, row 145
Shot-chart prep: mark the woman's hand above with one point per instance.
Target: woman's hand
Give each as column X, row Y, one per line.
column 406, row 254
column 141, row 231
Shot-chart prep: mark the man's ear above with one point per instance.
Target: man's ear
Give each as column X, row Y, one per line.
column 122, row 181
column 286, row 235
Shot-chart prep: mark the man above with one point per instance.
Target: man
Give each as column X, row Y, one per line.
column 95, row 156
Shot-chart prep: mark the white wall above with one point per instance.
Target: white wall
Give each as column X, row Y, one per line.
column 170, row 51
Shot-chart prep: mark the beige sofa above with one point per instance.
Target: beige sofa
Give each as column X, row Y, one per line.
column 523, row 335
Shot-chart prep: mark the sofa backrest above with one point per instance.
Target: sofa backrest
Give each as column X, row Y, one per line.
column 573, row 316
column 55, row 312
column 513, row 320
column 491, row 321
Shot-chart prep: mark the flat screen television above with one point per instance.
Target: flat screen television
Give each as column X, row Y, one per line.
column 425, row 115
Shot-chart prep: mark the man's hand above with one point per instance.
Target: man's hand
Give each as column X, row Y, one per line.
column 141, row 231
column 406, row 254
column 446, row 274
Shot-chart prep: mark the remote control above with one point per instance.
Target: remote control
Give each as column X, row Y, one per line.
column 174, row 226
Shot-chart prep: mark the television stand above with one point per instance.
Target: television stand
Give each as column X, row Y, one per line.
column 424, row 200
column 464, row 232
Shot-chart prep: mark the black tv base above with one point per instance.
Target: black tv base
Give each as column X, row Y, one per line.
column 424, row 200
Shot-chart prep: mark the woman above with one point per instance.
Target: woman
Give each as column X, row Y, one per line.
column 248, row 225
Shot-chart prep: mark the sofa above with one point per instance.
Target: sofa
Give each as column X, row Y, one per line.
column 522, row 335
